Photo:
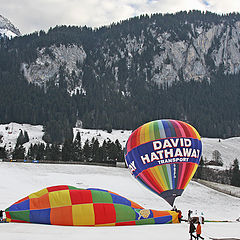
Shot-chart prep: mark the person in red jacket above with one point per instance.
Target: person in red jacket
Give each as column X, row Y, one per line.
column 199, row 231
column 179, row 215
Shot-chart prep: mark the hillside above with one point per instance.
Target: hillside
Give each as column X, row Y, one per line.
column 7, row 29
column 228, row 148
column 174, row 66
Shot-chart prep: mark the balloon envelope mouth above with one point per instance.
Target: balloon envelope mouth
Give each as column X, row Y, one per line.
column 170, row 195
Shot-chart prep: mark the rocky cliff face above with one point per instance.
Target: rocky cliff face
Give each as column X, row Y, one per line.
column 7, row 28
column 203, row 51
column 53, row 62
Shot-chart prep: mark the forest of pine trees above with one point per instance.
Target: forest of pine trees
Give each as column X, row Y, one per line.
column 71, row 151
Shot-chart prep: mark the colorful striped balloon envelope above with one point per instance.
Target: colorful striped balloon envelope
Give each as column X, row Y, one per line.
column 70, row 206
column 164, row 155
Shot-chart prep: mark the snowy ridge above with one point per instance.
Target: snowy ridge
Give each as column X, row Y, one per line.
column 228, row 148
column 7, row 28
column 7, row 33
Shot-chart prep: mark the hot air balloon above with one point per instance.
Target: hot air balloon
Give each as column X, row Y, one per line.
column 164, row 155
column 71, row 206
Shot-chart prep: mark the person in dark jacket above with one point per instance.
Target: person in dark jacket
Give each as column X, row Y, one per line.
column 1, row 215
column 189, row 215
column 192, row 230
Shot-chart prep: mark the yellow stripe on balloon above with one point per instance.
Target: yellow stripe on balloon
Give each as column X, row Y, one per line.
column 83, row 215
column 163, row 179
column 38, row 194
column 142, row 135
column 147, row 135
column 151, row 131
column 158, row 177
column 60, row 199
column 174, row 216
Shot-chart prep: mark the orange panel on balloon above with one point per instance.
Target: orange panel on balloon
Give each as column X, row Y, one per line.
column 40, row 203
column 135, row 205
column 61, row 216
column 159, row 213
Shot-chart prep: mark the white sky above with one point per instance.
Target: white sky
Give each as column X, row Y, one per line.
column 34, row 15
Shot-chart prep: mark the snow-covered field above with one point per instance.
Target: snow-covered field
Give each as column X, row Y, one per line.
column 21, row 179
column 10, row 133
column 228, row 148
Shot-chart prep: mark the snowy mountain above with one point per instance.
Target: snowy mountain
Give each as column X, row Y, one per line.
column 7, row 29
column 228, row 148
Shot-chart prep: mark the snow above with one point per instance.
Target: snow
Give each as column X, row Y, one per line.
column 7, row 33
column 21, row 179
column 228, row 148
column 11, row 131
column 121, row 135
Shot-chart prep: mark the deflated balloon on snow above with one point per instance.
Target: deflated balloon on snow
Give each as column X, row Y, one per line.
column 164, row 155
column 66, row 205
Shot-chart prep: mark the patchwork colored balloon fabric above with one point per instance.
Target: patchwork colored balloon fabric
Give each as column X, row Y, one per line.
column 67, row 205
column 164, row 155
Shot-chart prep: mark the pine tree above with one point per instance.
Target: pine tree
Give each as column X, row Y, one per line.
column 26, row 137
column 95, row 151
column 19, row 152
column 68, row 150
column 30, row 154
column 87, row 151
column 20, row 139
column 3, row 152
column 119, row 154
column 77, row 146
column 235, row 178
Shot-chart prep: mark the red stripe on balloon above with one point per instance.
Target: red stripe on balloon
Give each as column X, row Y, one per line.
column 187, row 130
column 147, row 178
column 188, row 172
column 177, row 127
column 181, row 174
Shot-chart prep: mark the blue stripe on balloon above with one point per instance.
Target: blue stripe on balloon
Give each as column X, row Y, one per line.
column 166, row 128
column 120, row 200
column 22, row 206
column 161, row 220
column 40, row 216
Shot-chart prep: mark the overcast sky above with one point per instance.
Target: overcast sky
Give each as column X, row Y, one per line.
column 34, row 15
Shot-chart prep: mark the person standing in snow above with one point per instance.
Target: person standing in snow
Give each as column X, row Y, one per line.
column 179, row 215
column 189, row 215
column 1, row 215
column 174, row 208
column 192, row 230
column 201, row 218
column 199, row 231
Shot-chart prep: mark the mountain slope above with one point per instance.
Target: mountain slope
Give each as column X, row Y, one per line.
column 7, row 29
column 182, row 66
